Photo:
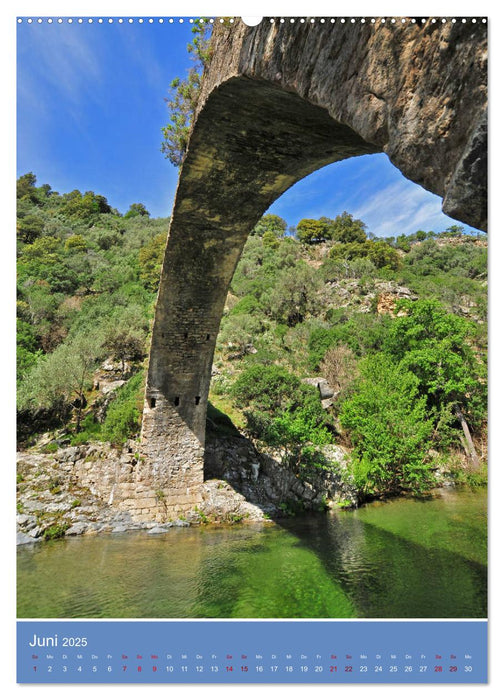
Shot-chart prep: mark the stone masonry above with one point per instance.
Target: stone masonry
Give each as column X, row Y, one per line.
column 278, row 102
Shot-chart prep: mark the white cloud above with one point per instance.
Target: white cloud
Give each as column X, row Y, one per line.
column 69, row 67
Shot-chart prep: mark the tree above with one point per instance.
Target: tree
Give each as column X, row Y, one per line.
column 136, row 210
column 184, row 97
column 86, row 207
column 270, row 223
column 282, row 411
column 29, row 228
column 125, row 335
column 150, row 258
column 76, row 243
column 435, row 346
column 454, row 230
column 312, row 231
column 294, row 294
column 25, row 186
column 390, row 429
column 380, row 254
column 346, row 229
column 62, row 376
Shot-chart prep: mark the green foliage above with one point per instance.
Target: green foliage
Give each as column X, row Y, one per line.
column 61, row 377
column 238, row 333
column 25, row 186
column 136, row 210
column 90, row 430
column 389, row 427
column 85, row 207
column 125, row 334
column 123, row 415
column 248, row 305
column 150, row 258
column 266, row 388
column 270, row 224
column 282, row 412
column 29, row 228
column 346, row 229
column 378, row 252
column 55, row 531
column 436, row 346
column 294, row 295
column 312, row 231
column 27, row 351
column 364, row 335
column 184, row 97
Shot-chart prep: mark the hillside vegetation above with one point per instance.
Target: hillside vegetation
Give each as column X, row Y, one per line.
column 394, row 329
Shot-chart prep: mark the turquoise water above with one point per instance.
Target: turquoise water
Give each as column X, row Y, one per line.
column 403, row 558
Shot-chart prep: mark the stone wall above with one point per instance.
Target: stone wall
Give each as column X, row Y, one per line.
column 122, row 479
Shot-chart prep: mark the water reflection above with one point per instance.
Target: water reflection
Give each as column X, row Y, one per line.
column 400, row 559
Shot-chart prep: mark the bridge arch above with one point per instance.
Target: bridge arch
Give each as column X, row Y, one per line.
column 277, row 104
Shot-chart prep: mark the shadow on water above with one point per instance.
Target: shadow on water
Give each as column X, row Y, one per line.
column 388, row 575
column 421, row 557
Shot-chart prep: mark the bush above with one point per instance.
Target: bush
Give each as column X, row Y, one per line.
column 265, row 388
column 124, row 414
column 389, row 428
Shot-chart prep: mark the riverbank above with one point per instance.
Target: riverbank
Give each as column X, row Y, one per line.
column 72, row 490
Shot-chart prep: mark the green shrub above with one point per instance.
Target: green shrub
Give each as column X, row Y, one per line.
column 55, row 531
column 124, row 413
column 50, row 448
column 389, row 427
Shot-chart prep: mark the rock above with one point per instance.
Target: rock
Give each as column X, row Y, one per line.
column 326, row 392
column 159, row 529
column 36, row 531
column 26, row 521
column 320, row 383
column 181, row 523
column 111, row 387
column 76, row 529
column 69, row 454
column 23, row 538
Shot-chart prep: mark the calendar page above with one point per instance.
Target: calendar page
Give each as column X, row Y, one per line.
column 251, row 349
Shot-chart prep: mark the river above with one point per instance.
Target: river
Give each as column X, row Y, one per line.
column 401, row 558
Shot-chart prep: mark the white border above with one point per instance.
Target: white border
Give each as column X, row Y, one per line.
column 293, row 8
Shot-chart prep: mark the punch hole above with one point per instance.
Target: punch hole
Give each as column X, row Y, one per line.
column 176, row 401
column 197, row 400
column 153, row 402
column 252, row 21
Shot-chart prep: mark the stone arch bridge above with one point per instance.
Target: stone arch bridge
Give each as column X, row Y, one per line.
column 279, row 101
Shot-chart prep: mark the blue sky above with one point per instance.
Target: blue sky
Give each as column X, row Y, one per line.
column 89, row 117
